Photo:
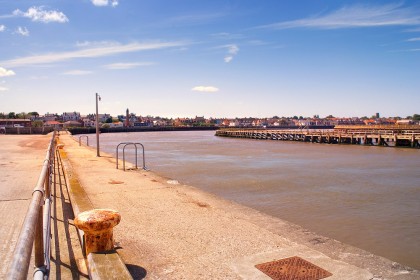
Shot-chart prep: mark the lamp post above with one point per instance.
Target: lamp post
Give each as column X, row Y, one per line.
column 98, row 97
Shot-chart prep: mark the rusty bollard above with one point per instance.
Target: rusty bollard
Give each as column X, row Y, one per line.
column 97, row 225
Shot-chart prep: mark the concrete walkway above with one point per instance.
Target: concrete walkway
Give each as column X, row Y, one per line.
column 173, row 231
column 21, row 160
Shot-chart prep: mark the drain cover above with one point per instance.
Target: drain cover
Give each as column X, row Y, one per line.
column 293, row 268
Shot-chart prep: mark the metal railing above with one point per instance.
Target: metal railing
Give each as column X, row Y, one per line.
column 36, row 229
column 80, row 140
column 135, row 146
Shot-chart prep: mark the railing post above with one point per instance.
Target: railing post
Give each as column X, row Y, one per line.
column 47, row 190
column 39, row 240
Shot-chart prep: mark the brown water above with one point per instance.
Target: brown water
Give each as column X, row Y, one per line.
column 368, row 197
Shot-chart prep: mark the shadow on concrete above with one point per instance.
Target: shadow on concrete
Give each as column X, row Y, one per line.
column 63, row 258
column 137, row 272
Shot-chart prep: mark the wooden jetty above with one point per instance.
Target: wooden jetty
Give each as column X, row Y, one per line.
column 393, row 136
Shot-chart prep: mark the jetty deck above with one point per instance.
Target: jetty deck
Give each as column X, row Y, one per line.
column 396, row 136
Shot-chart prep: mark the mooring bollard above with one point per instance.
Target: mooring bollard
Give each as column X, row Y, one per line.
column 97, row 225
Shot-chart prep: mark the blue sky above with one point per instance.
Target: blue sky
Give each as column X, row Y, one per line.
column 218, row 58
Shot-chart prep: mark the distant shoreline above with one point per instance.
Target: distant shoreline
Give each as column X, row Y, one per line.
column 88, row 130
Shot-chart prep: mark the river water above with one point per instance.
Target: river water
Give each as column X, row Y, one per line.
column 368, row 197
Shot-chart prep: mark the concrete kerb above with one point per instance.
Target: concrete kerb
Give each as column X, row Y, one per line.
column 104, row 265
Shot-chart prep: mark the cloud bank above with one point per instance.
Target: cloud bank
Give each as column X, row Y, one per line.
column 40, row 15
column 205, row 89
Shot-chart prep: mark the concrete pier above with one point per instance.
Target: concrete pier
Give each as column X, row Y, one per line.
column 174, row 231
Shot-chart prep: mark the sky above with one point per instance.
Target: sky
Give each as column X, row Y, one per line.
column 212, row 58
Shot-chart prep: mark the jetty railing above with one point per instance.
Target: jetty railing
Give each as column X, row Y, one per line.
column 136, row 155
column 36, row 229
column 384, row 137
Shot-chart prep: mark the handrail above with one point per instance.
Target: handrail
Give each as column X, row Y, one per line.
column 36, row 227
column 80, row 140
column 135, row 146
column 118, row 146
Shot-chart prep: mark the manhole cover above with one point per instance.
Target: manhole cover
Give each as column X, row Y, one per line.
column 293, row 268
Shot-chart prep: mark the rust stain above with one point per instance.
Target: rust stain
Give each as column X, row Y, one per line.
column 114, row 182
column 202, row 204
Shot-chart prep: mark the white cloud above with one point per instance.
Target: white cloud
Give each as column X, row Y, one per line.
column 257, row 43
column 413, row 39
column 3, row 88
column 122, row 66
column 86, row 44
column 101, row 51
column 205, row 89
column 2, row 27
column 356, row 16
column 22, row 31
column 39, row 14
column 227, row 36
column 6, row 73
column 232, row 51
column 77, row 72
column 113, row 3
column 228, row 58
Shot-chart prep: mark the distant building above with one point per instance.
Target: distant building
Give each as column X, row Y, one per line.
column 103, row 117
column 49, row 117
column 54, row 124
column 87, row 122
column 127, row 118
column 15, row 122
column 404, row 122
column 70, row 116
column 116, row 124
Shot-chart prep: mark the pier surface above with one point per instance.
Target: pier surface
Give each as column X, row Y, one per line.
column 173, row 231
column 21, row 160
